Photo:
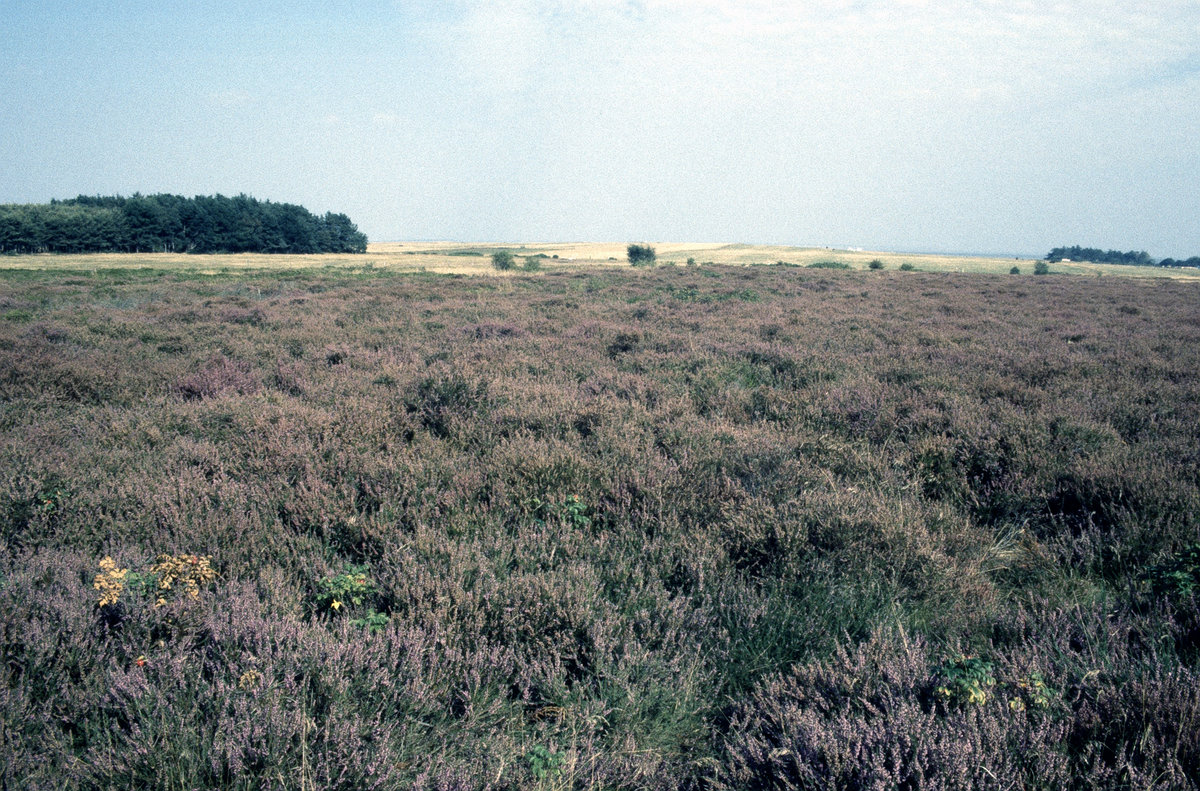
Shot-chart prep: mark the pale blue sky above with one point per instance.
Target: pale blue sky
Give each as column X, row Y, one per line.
column 1008, row 127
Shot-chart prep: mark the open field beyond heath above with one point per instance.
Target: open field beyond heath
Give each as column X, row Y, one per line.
column 460, row 258
column 338, row 523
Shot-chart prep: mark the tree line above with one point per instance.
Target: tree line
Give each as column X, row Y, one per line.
column 173, row 224
column 1132, row 257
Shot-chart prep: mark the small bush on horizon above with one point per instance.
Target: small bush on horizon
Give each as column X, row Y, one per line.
column 828, row 265
column 641, row 255
column 907, row 267
column 1016, row 270
column 532, row 263
column 875, row 264
column 1041, row 268
column 503, row 260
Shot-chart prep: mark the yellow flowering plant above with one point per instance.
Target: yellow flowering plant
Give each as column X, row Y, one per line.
column 170, row 574
column 964, row 681
column 352, row 593
column 110, row 582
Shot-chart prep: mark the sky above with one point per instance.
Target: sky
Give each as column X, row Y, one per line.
column 955, row 126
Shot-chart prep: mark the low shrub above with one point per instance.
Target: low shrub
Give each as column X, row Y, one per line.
column 503, row 260
column 352, row 594
column 1178, row 578
column 641, row 255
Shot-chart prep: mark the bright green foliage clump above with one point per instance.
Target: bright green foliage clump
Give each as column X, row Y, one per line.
column 573, row 511
column 351, row 593
column 543, row 762
column 965, row 681
column 1030, row 692
column 971, row 681
column 1178, row 578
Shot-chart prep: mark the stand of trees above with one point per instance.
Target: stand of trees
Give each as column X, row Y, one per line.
column 174, row 224
column 1132, row 257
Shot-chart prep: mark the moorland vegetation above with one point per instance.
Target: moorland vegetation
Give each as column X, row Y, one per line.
column 673, row 528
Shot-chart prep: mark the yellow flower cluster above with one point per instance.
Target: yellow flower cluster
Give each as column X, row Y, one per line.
column 170, row 572
column 971, row 692
column 110, row 581
column 187, row 571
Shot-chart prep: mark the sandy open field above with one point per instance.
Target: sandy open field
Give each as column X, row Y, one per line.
column 468, row 258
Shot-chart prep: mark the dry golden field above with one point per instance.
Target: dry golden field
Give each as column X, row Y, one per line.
column 468, row 258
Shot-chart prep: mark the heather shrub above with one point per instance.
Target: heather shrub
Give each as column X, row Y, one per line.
column 862, row 720
column 682, row 528
column 439, row 401
column 219, row 376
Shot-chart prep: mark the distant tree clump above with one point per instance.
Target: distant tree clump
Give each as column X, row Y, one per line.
column 174, row 224
column 503, row 260
column 1132, row 257
column 1041, row 268
column 1097, row 256
column 875, row 264
column 641, row 254
column 1016, row 270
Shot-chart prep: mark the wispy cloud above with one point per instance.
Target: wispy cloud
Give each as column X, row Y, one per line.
column 989, row 52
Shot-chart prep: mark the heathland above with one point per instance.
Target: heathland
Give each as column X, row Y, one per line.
column 370, row 522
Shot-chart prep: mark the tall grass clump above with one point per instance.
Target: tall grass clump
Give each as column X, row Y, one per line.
column 691, row 527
